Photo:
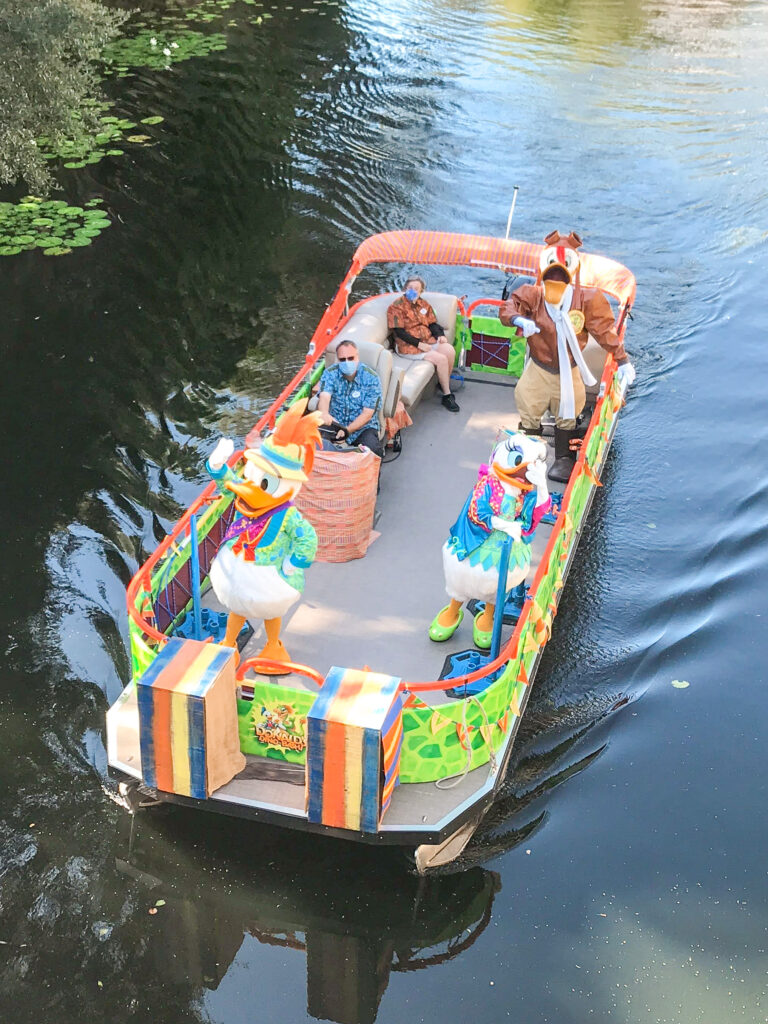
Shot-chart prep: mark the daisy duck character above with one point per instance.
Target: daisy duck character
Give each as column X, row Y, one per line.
column 509, row 499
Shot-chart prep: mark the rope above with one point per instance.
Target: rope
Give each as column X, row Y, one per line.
column 492, row 760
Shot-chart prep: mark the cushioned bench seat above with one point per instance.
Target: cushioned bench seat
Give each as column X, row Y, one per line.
column 368, row 326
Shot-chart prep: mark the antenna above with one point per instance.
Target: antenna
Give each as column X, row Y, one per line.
column 511, row 211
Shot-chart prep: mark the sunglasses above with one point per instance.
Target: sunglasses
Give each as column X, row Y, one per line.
column 346, row 359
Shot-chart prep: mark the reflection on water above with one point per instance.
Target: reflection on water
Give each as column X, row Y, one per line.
column 638, row 124
column 346, row 937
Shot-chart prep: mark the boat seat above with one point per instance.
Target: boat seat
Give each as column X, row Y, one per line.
column 379, row 360
column 368, row 324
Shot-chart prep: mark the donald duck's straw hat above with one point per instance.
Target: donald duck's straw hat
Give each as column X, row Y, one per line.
column 289, row 451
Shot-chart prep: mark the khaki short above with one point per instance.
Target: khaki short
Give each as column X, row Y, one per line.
column 538, row 391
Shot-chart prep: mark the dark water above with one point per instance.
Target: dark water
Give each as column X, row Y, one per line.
column 623, row 875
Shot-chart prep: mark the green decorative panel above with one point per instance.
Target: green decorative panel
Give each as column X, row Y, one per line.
column 274, row 723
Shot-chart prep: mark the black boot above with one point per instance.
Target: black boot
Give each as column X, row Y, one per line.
column 565, row 456
column 536, row 431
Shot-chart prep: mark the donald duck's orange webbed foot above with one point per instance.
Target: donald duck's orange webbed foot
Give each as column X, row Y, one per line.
column 274, row 649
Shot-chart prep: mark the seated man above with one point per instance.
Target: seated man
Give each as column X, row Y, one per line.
column 350, row 394
column 418, row 335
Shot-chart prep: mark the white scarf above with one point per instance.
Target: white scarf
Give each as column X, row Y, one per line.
column 566, row 339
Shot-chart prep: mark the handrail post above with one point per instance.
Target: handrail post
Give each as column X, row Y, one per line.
column 194, row 573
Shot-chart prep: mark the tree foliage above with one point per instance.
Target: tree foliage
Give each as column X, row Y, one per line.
column 47, row 50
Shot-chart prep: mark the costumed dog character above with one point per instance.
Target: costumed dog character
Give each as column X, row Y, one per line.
column 509, row 498
column 556, row 316
column 258, row 572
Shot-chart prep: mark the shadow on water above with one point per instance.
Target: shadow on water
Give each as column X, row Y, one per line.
column 168, row 908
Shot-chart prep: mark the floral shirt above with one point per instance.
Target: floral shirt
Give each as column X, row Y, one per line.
column 349, row 396
column 286, row 535
column 415, row 318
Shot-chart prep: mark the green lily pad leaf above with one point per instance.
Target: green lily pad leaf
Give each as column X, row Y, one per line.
column 74, row 211
column 96, row 201
column 22, row 239
column 139, row 138
column 31, row 199
column 78, row 241
column 49, row 241
column 42, row 222
column 59, row 250
column 75, row 163
column 155, row 119
column 88, row 233
column 109, row 120
column 9, row 250
column 114, row 152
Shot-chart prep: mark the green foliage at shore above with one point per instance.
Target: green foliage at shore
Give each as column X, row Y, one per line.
column 46, row 72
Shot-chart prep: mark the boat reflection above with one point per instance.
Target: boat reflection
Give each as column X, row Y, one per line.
column 355, row 914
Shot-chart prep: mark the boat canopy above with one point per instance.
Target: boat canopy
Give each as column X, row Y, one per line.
column 450, row 249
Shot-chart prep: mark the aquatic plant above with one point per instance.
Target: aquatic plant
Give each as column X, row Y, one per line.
column 92, row 148
column 50, row 225
column 158, row 50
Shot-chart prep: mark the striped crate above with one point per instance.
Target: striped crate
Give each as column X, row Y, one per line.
column 354, row 736
column 188, row 719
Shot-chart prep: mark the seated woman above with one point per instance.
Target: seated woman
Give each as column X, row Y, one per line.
column 418, row 335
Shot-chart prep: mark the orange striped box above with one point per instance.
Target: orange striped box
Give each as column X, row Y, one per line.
column 354, row 737
column 188, row 719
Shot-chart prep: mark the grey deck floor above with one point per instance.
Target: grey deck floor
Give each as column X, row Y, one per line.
column 375, row 611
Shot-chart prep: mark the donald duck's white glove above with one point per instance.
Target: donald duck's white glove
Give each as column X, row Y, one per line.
column 288, row 567
column 528, row 327
column 513, row 530
column 221, row 453
column 626, row 372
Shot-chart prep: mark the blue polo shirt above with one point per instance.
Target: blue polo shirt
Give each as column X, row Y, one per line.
column 350, row 397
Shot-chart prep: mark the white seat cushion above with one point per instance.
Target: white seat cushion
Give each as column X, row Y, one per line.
column 367, row 327
column 416, row 377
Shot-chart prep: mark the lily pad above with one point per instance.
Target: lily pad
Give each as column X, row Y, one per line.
column 139, row 138
column 10, row 250
column 155, row 119
column 59, row 250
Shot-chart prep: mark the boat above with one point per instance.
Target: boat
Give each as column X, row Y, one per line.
column 448, row 715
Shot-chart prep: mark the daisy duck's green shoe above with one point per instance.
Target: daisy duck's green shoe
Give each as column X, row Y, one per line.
column 481, row 637
column 439, row 633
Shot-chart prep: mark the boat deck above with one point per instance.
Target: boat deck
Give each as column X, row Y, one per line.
column 375, row 612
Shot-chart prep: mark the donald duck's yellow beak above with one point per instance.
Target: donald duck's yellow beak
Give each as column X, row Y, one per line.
column 251, row 500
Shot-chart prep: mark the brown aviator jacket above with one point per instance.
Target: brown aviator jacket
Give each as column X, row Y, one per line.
column 528, row 301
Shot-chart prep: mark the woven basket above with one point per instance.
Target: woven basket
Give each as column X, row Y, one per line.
column 339, row 500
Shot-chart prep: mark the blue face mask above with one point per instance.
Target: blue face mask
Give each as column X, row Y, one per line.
column 349, row 368
column 411, row 294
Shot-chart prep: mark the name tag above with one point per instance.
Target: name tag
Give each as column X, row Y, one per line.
column 355, row 394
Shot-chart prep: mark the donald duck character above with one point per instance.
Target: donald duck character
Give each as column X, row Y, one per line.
column 258, row 572
column 509, row 499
